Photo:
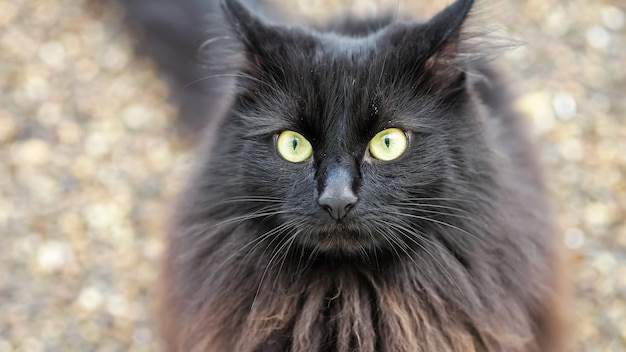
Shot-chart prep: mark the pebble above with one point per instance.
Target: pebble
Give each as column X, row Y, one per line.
column 574, row 238
column 52, row 54
column 7, row 127
column 31, row 152
column 613, row 18
column 90, row 298
column 564, row 105
column 52, row 256
column 598, row 37
column 536, row 105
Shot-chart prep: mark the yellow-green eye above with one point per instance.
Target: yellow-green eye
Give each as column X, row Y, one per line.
column 293, row 147
column 388, row 144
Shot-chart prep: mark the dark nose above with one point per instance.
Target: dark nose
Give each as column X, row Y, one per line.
column 337, row 205
column 337, row 196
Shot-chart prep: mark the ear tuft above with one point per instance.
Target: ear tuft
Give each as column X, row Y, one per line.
column 446, row 25
column 444, row 38
column 237, row 13
column 246, row 25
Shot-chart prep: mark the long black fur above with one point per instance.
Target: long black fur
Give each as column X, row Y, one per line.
column 449, row 248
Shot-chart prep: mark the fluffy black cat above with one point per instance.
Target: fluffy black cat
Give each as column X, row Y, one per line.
column 362, row 187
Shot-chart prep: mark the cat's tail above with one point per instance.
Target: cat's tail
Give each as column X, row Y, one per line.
column 171, row 32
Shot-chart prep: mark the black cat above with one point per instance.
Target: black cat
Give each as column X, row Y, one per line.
column 363, row 187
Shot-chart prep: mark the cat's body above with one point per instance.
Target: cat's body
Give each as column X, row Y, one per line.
column 447, row 247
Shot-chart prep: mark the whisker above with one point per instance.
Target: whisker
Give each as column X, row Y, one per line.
column 417, row 209
column 277, row 230
column 219, row 75
column 200, row 234
column 389, row 236
column 384, row 235
column 406, row 232
column 312, row 255
column 212, row 40
column 438, row 222
column 291, row 240
column 440, row 198
column 273, row 256
column 417, row 205
column 222, row 75
column 256, row 242
column 258, row 214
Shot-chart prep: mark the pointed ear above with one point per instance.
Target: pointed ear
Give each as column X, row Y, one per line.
column 444, row 37
column 263, row 42
column 248, row 29
column 247, row 26
column 446, row 25
column 256, row 35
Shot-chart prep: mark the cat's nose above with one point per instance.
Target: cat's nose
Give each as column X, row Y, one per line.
column 338, row 204
column 337, row 196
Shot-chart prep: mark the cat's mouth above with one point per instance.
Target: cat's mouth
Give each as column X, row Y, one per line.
column 343, row 239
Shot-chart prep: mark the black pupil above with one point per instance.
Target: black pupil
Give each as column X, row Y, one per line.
column 294, row 143
column 387, row 141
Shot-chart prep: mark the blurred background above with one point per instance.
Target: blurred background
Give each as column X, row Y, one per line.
column 90, row 163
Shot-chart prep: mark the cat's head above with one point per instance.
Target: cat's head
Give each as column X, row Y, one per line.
column 347, row 143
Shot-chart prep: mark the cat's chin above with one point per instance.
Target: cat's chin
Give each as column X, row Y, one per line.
column 342, row 242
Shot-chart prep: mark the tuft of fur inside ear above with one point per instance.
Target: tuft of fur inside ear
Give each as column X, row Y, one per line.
column 444, row 36
column 446, row 25
column 243, row 22
column 472, row 40
column 259, row 37
column 452, row 49
column 234, row 42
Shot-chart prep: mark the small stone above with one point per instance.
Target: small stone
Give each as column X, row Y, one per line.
column 117, row 306
column 597, row 214
column 613, row 18
column 598, row 37
column 136, row 117
column 97, row 145
column 31, row 152
column 536, row 105
column 90, row 298
column 571, row 150
column 160, row 157
column 52, row 54
column 83, row 167
column 51, row 256
column 102, row 215
column 574, row 238
column 7, row 127
column 114, row 58
column 153, row 249
column 35, row 85
column 69, row 132
column 564, row 105
column 49, row 113
column 72, row 224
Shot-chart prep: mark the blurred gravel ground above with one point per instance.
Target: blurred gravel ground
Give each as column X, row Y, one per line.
column 90, row 165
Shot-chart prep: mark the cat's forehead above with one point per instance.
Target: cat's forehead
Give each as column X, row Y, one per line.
column 341, row 46
column 348, row 84
column 325, row 85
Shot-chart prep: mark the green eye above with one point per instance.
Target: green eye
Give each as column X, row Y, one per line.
column 388, row 144
column 293, row 147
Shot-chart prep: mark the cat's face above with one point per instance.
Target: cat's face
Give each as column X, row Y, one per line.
column 349, row 141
